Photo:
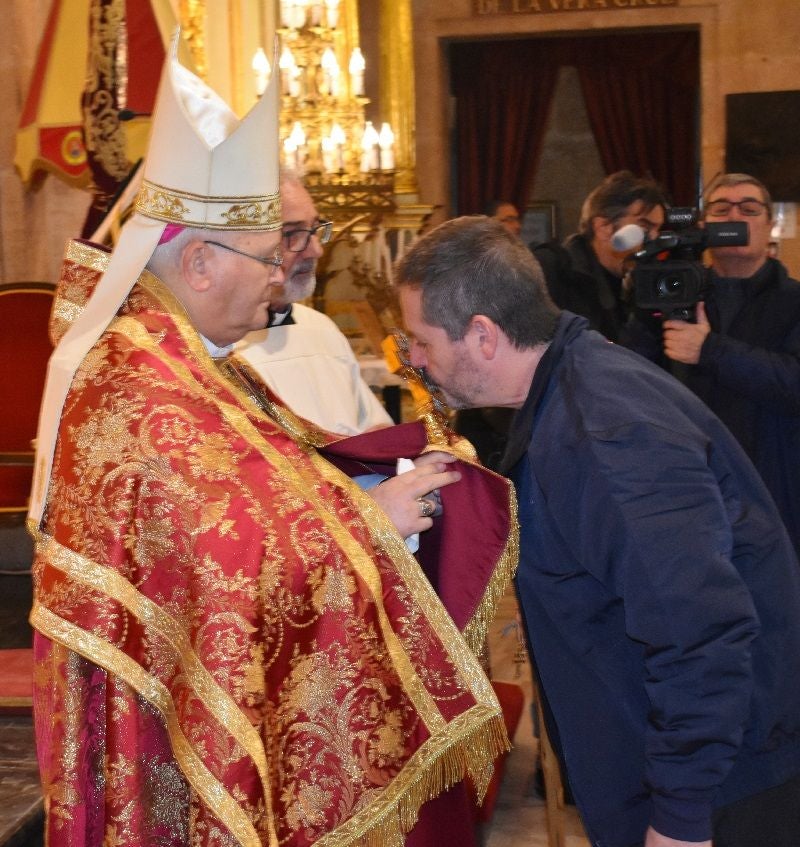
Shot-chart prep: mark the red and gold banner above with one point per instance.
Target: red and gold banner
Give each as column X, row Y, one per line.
column 105, row 55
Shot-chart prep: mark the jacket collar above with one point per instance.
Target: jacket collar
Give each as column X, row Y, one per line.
column 771, row 273
column 519, row 437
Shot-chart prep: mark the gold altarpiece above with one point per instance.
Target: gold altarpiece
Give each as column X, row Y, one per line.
column 376, row 215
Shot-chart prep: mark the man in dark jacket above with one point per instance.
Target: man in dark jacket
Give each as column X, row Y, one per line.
column 585, row 274
column 660, row 590
column 743, row 352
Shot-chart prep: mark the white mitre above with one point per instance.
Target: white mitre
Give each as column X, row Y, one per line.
column 204, row 168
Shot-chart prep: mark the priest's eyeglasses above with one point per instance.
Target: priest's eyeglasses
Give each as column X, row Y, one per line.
column 296, row 240
column 748, row 207
column 274, row 261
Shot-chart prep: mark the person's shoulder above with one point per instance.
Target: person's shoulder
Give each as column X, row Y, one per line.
column 308, row 315
column 786, row 282
column 552, row 256
column 619, row 383
column 324, row 328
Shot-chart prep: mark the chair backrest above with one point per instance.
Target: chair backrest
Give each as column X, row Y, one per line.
column 24, row 351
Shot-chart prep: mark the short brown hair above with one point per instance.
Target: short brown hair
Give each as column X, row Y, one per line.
column 473, row 266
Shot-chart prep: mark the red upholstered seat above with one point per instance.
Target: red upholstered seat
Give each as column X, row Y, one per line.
column 24, row 351
column 16, row 681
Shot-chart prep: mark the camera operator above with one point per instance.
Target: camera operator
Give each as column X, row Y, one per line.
column 585, row 274
column 742, row 356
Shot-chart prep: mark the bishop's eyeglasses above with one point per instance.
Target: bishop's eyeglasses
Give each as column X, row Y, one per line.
column 274, row 261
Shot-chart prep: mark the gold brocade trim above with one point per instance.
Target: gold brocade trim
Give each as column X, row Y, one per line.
column 463, row 750
column 256, row 212
column 116, row 662
column 305, row 485
column 87, row 255
column 218, row 703
column 303, row 432
column 477, row 629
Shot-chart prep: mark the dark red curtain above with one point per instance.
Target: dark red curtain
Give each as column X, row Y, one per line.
column 641, row 91
column 641, row 94
column 503, row 91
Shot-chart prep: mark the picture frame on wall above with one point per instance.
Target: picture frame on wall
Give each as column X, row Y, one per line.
column 539, row 223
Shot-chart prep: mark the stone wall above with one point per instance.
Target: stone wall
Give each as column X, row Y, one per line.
column 746, row 45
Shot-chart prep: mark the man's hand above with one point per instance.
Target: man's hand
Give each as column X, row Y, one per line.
column 399, row 496
column 682, row 340
column 655, row 839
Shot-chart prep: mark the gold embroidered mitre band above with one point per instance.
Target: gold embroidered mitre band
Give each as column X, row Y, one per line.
column 180, row 207
column 205, row 167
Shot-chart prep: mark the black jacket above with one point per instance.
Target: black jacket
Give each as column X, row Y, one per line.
column 749, row 376
column 579, row 283
column 660, row 592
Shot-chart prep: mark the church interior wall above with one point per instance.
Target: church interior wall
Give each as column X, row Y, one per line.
column 746, row 46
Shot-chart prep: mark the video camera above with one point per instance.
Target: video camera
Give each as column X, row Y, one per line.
column 668, row 276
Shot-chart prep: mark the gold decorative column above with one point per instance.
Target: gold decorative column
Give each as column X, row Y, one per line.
column 193, row 26
column 397, row 88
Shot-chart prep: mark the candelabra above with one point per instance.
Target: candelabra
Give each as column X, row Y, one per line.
column 347, row 163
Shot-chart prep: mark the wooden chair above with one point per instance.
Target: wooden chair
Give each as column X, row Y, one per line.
column 553, row 786
column 24, row 351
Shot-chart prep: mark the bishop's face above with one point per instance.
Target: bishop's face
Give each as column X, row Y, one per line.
column 244, row 284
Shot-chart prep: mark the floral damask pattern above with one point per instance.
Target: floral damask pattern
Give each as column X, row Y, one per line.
column 237, row 647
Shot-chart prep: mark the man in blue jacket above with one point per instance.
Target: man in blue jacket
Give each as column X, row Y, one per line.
column 660, row 590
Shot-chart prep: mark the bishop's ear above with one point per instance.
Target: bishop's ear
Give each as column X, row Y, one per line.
column 197, row 264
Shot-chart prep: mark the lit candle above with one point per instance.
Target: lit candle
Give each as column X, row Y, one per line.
column 357, row 67
column 386, row 141
column 330, row 68
column 338, row 138
column 298, row 14
column 288, row 67
column 315, row 13
column 290, row 153
column 298, row 139
column 261, row 69
column 328, row 154
column 332, row 12
column 370, row 156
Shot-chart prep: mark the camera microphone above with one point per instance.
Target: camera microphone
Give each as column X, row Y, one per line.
column 627, row 238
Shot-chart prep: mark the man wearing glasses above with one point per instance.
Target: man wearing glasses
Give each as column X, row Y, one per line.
column 744, row 350
column 301, row 354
